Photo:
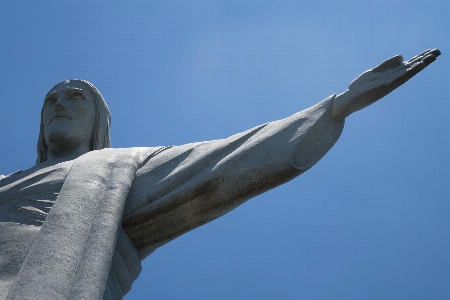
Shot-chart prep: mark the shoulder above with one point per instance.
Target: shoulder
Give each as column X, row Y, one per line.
column 12, row 174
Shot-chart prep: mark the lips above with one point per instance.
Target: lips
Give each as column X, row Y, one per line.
column 60, row 116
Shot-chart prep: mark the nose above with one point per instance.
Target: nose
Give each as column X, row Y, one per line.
column 59, row 104
column 59, row 107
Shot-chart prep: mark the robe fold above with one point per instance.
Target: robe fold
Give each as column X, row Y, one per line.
column 85, row 224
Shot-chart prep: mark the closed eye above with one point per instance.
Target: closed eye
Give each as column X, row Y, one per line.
column 77, row 96
column 49, row 100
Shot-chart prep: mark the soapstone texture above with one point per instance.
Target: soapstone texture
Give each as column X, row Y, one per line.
column 78, row 224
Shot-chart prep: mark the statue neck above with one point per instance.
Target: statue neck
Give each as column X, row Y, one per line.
column 56, row 152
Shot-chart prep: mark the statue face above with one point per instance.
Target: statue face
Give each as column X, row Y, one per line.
column 68, row 115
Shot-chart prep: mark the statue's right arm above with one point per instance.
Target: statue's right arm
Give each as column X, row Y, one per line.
column 187, row 186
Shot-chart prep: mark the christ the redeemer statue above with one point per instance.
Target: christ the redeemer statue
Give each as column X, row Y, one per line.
column 78, row 224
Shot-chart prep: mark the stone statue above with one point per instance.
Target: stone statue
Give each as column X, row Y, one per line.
column 78, row 224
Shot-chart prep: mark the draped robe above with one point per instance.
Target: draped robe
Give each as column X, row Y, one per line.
column 78, row 228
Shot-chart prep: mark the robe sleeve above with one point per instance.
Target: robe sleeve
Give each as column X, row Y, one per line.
column 187, row 186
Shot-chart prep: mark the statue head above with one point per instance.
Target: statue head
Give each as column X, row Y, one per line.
column 94, row 122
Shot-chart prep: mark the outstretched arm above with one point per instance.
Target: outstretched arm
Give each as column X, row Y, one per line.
column 190, row 185
column 376, row 83
column 187, row 186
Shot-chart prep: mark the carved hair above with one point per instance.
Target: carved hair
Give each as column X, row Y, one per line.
column 102, row 122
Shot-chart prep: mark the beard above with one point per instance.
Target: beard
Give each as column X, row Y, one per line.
column 60, row 131
column 56, row 138
column 59, row 138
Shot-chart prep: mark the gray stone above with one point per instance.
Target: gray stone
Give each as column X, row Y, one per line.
column 78, row 224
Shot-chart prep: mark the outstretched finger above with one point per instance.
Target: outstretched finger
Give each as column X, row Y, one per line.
column 413, row 70
column 407, row 75
column 417, row 57
column 436, row 52
column 388, row 64
column 421, row 56
column 417, row 67
column 429, row 59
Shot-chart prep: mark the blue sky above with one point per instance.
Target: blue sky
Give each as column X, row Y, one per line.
column 371, row 220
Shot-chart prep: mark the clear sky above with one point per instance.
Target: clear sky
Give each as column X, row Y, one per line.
column 371, row 220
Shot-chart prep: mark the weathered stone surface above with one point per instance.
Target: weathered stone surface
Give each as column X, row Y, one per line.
column 78, row 224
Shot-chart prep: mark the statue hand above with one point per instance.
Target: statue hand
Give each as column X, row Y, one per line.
column 376, row 83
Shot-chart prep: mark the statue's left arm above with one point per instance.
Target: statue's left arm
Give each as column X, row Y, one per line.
column 187, row 186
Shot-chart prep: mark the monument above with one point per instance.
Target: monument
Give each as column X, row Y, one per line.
column 78, row 224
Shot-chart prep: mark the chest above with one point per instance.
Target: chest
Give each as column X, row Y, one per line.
column 27, row 197
column 25, row 200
